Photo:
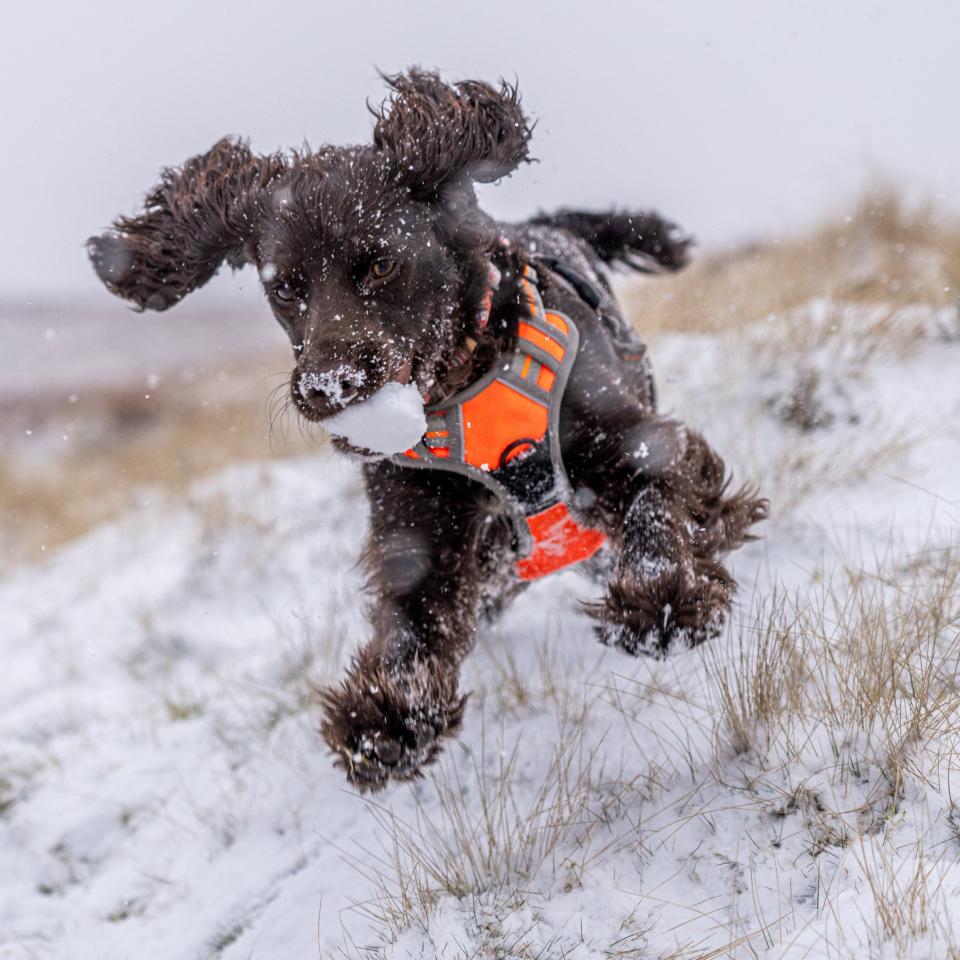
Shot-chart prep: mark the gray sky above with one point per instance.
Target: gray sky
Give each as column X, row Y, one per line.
column 737, row 118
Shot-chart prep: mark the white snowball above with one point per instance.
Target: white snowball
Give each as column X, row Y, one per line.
column 390, row 421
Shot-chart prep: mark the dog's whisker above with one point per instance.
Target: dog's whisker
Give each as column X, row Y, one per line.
column 283, row 375
column 275, row 406
column 280, row 407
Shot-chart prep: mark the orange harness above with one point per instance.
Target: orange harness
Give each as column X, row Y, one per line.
column 503, row 431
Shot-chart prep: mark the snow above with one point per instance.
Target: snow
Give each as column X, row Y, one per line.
column 331, row 383
column 164, row 792
column 268, row 272
column 390, row 421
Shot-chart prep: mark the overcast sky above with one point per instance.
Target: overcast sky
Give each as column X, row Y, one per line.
column 737, row 118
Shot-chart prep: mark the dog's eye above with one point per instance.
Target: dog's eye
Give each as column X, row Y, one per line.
column 381, row 268
column 285, row 292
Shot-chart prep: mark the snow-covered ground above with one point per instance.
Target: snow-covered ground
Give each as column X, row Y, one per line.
column 786, row 792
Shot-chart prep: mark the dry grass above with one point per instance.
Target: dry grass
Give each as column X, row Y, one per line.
column 860, row 682
column 908, row 904
column 870, row 657
column 517, row 688
column 887, row 660
column 828, row 713
column 763, row 690
column 483, row 854
column 883, row 252
column 125, row 447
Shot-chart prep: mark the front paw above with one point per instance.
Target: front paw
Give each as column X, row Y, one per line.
column 386, row 722
column 675, row 610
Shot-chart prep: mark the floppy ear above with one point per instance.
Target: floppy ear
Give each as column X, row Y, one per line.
column 197, row 216
column 435, row 133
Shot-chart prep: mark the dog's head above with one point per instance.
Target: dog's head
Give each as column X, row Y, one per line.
column 373, row 258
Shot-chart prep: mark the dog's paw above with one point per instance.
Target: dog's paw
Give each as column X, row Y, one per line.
column 656, row 616
column 386, row 724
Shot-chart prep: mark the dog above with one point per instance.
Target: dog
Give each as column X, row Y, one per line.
column 382, row 269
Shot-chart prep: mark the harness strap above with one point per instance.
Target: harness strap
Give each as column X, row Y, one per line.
column 587, row 291
column 503, row 431
column 628, row 345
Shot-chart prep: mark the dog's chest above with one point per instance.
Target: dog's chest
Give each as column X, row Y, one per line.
column 503, row 431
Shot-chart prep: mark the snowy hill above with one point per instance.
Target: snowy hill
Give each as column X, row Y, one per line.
column 786, row 792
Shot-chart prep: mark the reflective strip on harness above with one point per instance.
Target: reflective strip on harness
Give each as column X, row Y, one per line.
column 503, row 431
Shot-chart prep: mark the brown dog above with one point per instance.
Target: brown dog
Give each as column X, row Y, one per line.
column 545, row 447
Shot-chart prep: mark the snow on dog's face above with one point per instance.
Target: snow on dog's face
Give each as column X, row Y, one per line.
column 373, row 258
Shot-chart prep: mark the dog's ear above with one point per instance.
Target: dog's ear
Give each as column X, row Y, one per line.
column 435, row 133
column 199, row 215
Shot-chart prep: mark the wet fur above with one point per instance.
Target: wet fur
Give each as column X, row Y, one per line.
column 441, row 547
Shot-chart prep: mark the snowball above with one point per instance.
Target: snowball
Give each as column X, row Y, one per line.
column 390, row 421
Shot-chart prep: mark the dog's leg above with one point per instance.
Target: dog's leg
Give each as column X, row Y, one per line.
column 400, row 696
column 669, row 588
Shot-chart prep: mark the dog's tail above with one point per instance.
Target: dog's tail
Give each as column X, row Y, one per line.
column 643, row 241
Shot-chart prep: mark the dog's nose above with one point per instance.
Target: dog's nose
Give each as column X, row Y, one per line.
column 328, row 389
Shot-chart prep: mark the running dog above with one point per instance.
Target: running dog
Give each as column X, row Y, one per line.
column 543, row 446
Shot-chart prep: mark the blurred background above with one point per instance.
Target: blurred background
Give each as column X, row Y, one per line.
column 763, row 127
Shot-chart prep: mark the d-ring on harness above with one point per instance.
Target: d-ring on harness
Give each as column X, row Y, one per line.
column 503, row 431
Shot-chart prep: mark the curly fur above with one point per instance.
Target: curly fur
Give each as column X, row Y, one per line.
column 637, row 241
column 385, row 723
column 678, row 609
column 435, row 132
column 194, row 219
column 441, row 547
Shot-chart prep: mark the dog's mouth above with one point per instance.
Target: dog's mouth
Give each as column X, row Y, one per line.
column 362, row 454
column 356, row 395
column 379, row 419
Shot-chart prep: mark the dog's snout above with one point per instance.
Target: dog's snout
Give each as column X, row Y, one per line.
column 326, row 390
